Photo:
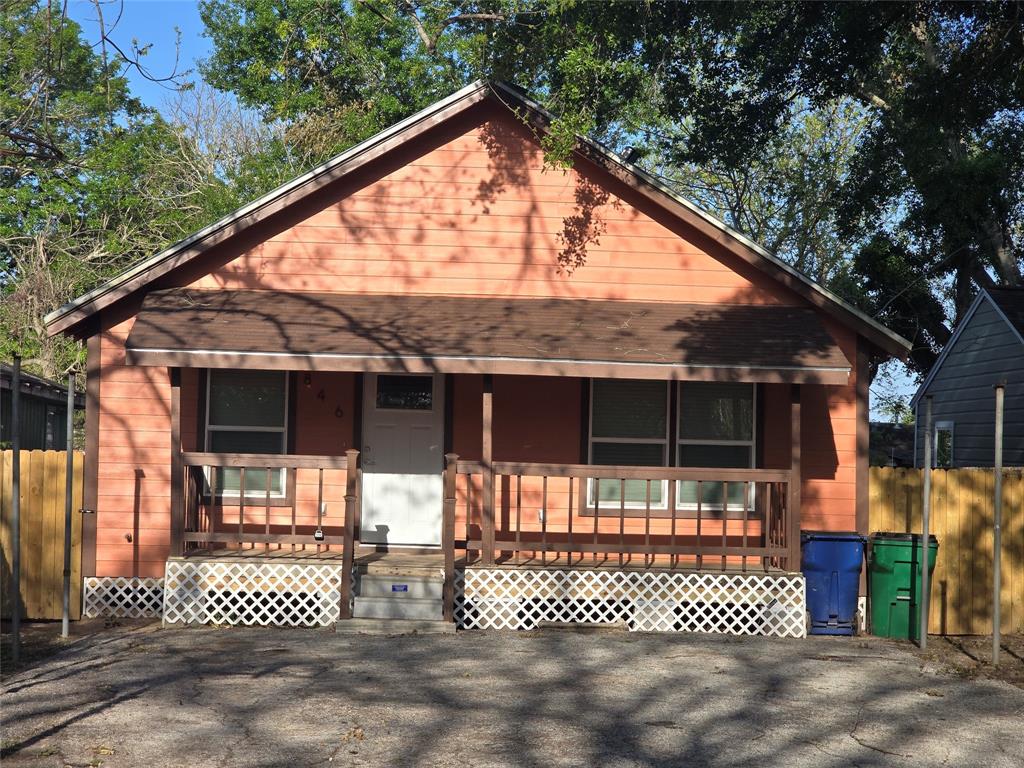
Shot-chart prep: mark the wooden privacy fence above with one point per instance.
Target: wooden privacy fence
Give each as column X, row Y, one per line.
column 42, row 533
column 962, row 519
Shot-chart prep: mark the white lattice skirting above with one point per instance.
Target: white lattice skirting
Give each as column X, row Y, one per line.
column 251, row 594
column 646, row 601
column 121, row 596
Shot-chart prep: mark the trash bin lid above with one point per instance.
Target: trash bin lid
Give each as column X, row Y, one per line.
column 832, row 536
column 888, row 536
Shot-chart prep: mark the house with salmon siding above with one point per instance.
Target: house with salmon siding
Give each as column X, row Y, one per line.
column 436, row 381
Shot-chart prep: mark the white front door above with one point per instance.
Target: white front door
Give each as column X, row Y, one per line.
column 402, row 459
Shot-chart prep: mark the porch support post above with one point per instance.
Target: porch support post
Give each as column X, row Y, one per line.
column 451, row 461
column 795, row 480
column 177, row 468
column 487, row 459
column 349, row 546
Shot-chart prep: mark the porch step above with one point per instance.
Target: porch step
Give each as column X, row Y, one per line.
column 395, row 626
column 420, row 608
column 401, row 587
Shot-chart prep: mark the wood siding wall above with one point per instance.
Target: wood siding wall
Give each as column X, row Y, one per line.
column 467, row 210
column 986, row 353
column 43, row 477
column 962, row 521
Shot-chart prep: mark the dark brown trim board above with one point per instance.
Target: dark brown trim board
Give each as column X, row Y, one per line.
column 177, row 467
column 90, row 495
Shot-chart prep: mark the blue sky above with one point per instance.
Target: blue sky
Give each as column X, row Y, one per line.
column 149, row 22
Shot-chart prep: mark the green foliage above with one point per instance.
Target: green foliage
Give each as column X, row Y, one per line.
column 88, row 189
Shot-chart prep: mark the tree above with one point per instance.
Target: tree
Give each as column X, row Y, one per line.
column 87, row 185
column 925, row 206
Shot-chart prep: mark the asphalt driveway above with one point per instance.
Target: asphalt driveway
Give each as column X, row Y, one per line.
column 145, row 696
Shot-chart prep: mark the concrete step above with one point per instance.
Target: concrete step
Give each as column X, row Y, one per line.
column 390, row 608
column 395, row 627
column 402, row 587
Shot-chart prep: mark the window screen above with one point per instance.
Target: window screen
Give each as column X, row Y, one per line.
column 247, row 413
column 629, row 426
column 716, row 429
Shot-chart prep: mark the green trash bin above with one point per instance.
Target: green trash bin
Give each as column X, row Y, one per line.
column 894, row 573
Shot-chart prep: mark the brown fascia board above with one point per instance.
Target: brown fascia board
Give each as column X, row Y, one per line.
column 67, row 317
column 75, row 312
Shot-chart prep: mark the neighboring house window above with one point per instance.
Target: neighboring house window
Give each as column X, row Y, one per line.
column 628, row 426
column 944, row 444
column 51, row 427
column 247, row 412
column 716, row 429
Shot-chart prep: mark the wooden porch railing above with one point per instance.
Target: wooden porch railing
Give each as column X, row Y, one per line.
column 559, row 514
column 310, row 508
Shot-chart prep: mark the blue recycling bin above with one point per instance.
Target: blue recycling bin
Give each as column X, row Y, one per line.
column 831, row 564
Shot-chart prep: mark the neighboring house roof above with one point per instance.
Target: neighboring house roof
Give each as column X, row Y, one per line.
column 37, row 386
column 68, row 317
column 184, row 327
column 1008, row 304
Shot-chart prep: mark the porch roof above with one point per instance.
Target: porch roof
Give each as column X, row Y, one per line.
column 444, row 334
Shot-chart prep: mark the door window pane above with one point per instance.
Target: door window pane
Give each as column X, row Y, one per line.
column 407, row 393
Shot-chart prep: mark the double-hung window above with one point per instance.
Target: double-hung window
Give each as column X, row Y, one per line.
column 628, row 426
column 247, row 412
column 716, row 429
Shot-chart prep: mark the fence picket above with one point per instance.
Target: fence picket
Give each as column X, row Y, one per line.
column 42, row 528
column 962, row 520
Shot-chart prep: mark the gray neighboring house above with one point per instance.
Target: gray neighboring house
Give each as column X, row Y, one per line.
column 987, row 348
column 44, row 409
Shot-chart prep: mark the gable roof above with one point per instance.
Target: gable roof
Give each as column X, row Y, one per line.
column 68, row 317
column 1008, row 304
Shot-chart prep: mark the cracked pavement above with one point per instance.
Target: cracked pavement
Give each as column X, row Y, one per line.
column 146, row 696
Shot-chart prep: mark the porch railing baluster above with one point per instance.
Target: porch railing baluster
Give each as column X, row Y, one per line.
column 241, row 506
column 647, row 521
column 725, row 521
column 572, row 511
column 544, row 521
column 519, row 514
column 319, row 507
column 622, row 520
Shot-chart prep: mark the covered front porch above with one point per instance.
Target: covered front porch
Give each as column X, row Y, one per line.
column 546, row 460
column 512, row 543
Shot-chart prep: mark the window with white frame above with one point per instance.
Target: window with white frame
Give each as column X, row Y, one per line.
column 628, row 426
column 247, row 412
column 716, row 429
column 943, row 444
